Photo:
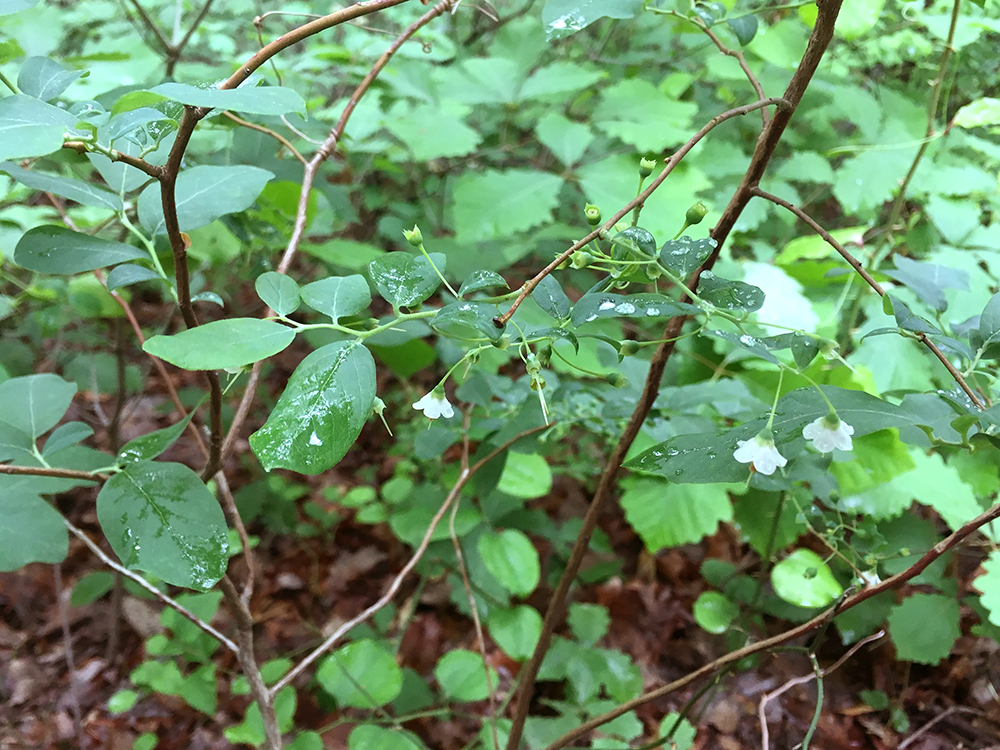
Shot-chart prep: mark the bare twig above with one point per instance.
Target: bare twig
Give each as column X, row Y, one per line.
column 133, row 161
column 267, row 131
column 736, row 55
column 930, row 724
column 229, row 503
column 47, row 471
column 74, row 688
column 390, row 592
column 136, row 578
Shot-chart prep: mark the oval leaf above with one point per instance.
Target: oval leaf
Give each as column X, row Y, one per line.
column 404, row 280
column 337, row 296
column 714, row 612
column 31, row 530
column 478, row 280
column 745, row 28
column 278, row 291
column 33, row 404
column 551, row 298
column 362, row 674
column 512, row 559
column 319, row 416
column 468, row 321
column 803, row 579
column 149, row 446
column 606, row 305
column 82, row 192
column 45, row 79
column 258, row 100
column 635, row 240
column 130, row 273
column 221, row 344
column 683, row 255
column 52, row 249
column 730, row 295
column 160, row 518
column 30, row 127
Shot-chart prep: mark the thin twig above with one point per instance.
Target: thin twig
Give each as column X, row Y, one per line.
column 67, row 636
column 267, row 131
column 136, row 578
column 930, row 724
column 151, row 25
column 229, row 503
column 390, row 592
column 52, row 471
column 735, row 54
column 133, row 161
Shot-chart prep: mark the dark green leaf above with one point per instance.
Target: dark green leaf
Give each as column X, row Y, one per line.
column 258, row 100
column 363, row 674
column 337, row 296
column 33, row 404
column 467, row 321
column 15, row 444
column 149, row 446
column 683, row 255
column 730, row 295
column 804, row 350
column 65, row 435
column 53, row 249
column 45, row 79
column 160, row 518
column 278, row 291
column 222, row 344
column 928, row 281
column 564, row 17
column 31, row 530
column 327, row 401
column 405, row 280
column 906, row 319
column 553, row 333
column 82, row 192
column 745, row 28
column 551, row 298
column 130, row 273
column 478, row 280
column 758, row 346
column 212, row 297
column 29, row 127
column 606, row 305
column 204, row 193
column 124, row 124
column 635, row 240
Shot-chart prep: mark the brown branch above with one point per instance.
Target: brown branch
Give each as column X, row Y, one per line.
column 636, row 202
column 151, row 25
column 856, row 265
column 48, row 471
column 267, row 131
column 174, row 50
column 133, row 161
column 888, row 584
column 738, row 56
column 768, row 141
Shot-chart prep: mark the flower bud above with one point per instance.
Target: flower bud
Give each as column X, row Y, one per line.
column 653, row 271
column 537, row 383
column 545, row 355
column 593, row 214
column 628, row 347
column 616, row 379
column 695, row 214
column 532, row 365
column 503, row 342
column 413, row 236
column 646, row 167
column 580, row 259
column 473, row 356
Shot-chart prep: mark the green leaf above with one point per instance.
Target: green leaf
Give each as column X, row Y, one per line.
column 468, row 321
column 31, row 530
column 91, row 587
column 924, row 627
column 374, row 737
column 635, row 240
column 278, row 291
column 515, row 630
column 979, row 113
column 327, row 401
column 362, row 674
column 258, row 100
column 589, row 622
column 15, row 6
column 683, row 255
column 592, row 307
column 125, row 124
column 433, row 131
column 745, row 28
column 152, row 444
column 221, row 344
column 729, row 295
column 564, row 17
column 989, row 586
column 561, row 77
column 251, row 730
column 525, row 475
column 639, row 114
column 479, row 280
column 512, row 559
column 127, row 274
column 160, row 518
column 33, row 404
column 927, row 280
column 489, row 204
column 45, row 79
column 66, row 435
column 683, row 736
column 337, row 296
column 82, row 192
column 714, row 612
column 805, row 580
column 53, row 249
column 406, row 280
column 29, row 127
column 462, row 676
column 551, row 298
column 204, row 193
column 668, row 515
column 567, row 140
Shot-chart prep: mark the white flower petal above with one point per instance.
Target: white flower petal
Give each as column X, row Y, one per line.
column 761, row 453
column 434, row 406
column 825, row 438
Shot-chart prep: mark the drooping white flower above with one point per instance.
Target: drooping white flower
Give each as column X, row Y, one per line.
column 760, row 452
column 435, row 405
column 829, row 432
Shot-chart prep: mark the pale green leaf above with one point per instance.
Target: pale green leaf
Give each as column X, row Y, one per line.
column 667, row 515
column 490, row 204
column 222, row 344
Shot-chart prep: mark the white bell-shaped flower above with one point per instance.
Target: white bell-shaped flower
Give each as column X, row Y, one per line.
column 829, row 432
column 760, row 452
column 435, row 405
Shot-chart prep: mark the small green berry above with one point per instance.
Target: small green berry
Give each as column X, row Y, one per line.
column 581, row 259
column 628, row 347
column 616, row 379
column 695, row 214
column 646, row 167
column 593, row 214
column 413, row 236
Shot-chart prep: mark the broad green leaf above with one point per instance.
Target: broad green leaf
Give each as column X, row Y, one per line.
column 860, row 17
column 564, row 17
column 679, row 730
column 512, row 559
column 592, row 307
column 668, row 515
column 204, row 193
column 589, row 622
column 31, row 530
column 745, row 28
column 160, row 518
column 515, row 630
column 551, row 298
column 639, row 114
column 729, row 295
column 91, row 587
column 924, row 627
column 489, row 204
column 54, row 249
column 989, row 586
column 257, row 100
column 29, row 127
column 278, row 291
column 479, row 280
column 980, row 113
column 125, row 124
column 152, row 444
column 562, row 77
column 433, row 131
column 927, row 280
column 127, row 274
column 33, row 404
column 363, row 674
column 683, row 255
column 462, row 676
column 251, row 730
column 66, row 435
column 635, row 241
column 566, row 139
column 468, row 321
column 374, row 737
column 714, row 612
column 406, row 280
column 45, row 79
column 222, row 344
column 337, row 296
column 85, row 193
column 525, row 475
column 805, row 580
column 327, row 401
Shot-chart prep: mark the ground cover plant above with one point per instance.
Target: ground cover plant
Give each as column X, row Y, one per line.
column 541, row 374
